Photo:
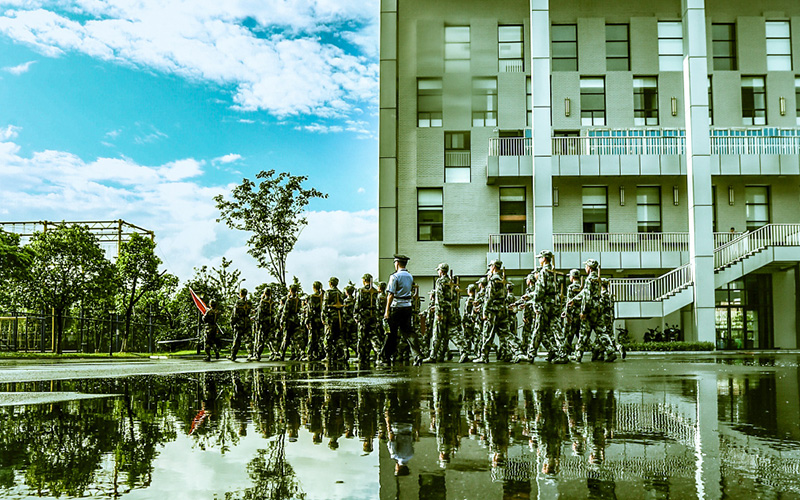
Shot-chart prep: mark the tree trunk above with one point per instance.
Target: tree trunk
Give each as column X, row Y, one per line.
column 128, row 316
column 59, row 330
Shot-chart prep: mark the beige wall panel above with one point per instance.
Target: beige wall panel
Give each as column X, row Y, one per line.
column 752, row 45
column 644, row 45
column 781, row 84
column 511, row 100
column 430, row 157
column 457, row 101
column 566, row 85
column 592, row 46
column 727, row 99
column 670, row 84
column 619, row 99
column 430, row 47
column 483, row 46
column 470, row 213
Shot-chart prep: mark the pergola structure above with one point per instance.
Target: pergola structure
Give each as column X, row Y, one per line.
column 110, row 233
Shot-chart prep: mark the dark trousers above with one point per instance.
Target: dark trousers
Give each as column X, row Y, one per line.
column 399, row 322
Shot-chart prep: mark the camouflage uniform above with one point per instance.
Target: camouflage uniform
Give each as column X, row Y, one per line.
column 211, row 330
column 382, row 328
column 480, row 298
column 265, row 326
column 495, row 310
column 313, row 323
column 511, row 332
column 592, row 319
column 290, row 319
column 546, row 323
column 468, row 320
column 607, row 305
column 332, row 317
column 528, row 317
column 349, row 326
column 366, row 313
column 571, row 314
column 240, row 322
column 445, row 322
column 430, row 313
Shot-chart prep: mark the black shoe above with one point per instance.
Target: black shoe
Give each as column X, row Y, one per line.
column 610, row 357
column 418, row 361
column 207, row 358
column 216, row 353
column 464, row 359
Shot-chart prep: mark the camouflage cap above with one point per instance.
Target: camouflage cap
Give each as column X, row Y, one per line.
column 530, row 277
column 483, row 281
column 333, row 281
column 381, row 285
column 294, row 287
column 367, row 277
column 509, row 286
column 547, row 254
column 574, row 273
column 592, row 264
column 212, row 303
column 605, row 281
column 470, row 288
column 317, row 285
column 243, row 291
column 443, row 267
column 496, row 263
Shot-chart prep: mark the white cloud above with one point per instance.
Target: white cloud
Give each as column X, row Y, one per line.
column 287, row 69
column 170, row 200
column 19, row 69
column 113, row 134
column 362, row 129
column 229, row 158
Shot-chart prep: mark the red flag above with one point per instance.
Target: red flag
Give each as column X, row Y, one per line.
column 199, row 303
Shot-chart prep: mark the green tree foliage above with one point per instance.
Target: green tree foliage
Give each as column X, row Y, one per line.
column 226, row 281
column 68, row 265
column 15, row 264
column 137, row 274
column 272, row 211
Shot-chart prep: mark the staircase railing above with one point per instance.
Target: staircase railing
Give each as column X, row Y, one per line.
column 652, row 290
column 755, row 241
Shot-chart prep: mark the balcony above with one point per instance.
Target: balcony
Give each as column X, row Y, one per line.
column 613, row 250
column 735, row 151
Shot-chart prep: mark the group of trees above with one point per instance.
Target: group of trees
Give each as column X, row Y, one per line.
column 64, row 272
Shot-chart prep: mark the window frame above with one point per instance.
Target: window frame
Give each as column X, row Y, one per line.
column 509, row 67
column 584, row 206
column 645, row 101
column 626, row 41
column 593, row 111
column 457, row 64
column 431, row 208
column 753, row 224
column 455, row 161
column 719, row 56
column 513, row 217
column 484, row 116
column 557, row 61
column 665, row 58
column 751, row 115
column 643, row 226
column 433, row 94
column 776, row 57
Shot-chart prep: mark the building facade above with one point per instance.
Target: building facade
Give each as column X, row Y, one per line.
column 661, row 138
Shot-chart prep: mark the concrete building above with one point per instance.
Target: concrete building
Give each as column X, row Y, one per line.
column 661, row 138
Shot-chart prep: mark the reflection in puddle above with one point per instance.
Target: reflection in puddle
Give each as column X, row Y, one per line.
column 450, row 433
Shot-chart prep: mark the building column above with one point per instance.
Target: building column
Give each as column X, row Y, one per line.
column 542, row 125
column 698, row 167
column 387, row 174
column 706, row 443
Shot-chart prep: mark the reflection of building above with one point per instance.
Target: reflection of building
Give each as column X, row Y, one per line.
column 509, row 127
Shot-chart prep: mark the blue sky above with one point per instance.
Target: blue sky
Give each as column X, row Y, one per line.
column 127, row 109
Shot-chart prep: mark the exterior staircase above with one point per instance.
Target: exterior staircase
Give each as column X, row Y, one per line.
column 747, row 252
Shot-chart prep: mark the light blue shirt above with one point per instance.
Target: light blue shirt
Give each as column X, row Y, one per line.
column 400, row 285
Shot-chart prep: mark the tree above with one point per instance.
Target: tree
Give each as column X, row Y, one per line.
column 15, row 263
column 68, row 264
column 273, row 212
column 137, row 274
column 226, row 281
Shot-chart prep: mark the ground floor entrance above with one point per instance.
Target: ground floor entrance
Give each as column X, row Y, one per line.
column 744, row 313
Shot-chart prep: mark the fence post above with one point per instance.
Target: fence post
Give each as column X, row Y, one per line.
column 41, row 329
column 110, row 333
column 16, row 328
column 80, row 331
column 150, row 329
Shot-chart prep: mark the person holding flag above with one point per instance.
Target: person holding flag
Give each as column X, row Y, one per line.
column 210, row 337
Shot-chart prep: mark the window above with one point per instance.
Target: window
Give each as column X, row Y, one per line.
column 645, row 100
column 456, row 49
column 529, row 97
column 593, row 101
column 797, row 99
column 457, row 157
column 564, row 47
column 509, row 51
column 779, row 46
column 512, row 210
column 484, row 102
column 754, row 101
column 429, row 102
column 617, row 48
column 648, row 209
column 710, row 102
column 595, row 209
column 723, row 46
column 670, row 46
column 756, row 202
column 430, row 225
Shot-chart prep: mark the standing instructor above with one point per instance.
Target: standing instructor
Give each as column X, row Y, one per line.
column 398, row 311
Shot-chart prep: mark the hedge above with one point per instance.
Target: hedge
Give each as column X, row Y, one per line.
column 670, row 346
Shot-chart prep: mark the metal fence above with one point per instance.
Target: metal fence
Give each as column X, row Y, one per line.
column 652, row 290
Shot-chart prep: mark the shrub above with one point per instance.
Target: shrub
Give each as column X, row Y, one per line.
column 670, row 346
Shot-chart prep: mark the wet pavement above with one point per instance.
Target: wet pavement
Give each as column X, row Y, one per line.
column 673, row 426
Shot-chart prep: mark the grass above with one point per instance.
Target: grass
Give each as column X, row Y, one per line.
column 69, row 355
column 670, row 346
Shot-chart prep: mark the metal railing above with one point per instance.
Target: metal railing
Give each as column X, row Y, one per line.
column 652, row 290
column 621, row 145
column 621, row 242
column 721, row 238
column 511, row 243
column 510, row 146
column 457, row 158
column 754, row 145
column 751, row 242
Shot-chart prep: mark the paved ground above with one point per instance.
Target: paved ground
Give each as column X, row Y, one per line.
column 636, row 365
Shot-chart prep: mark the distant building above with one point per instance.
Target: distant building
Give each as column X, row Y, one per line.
column 647, row 135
